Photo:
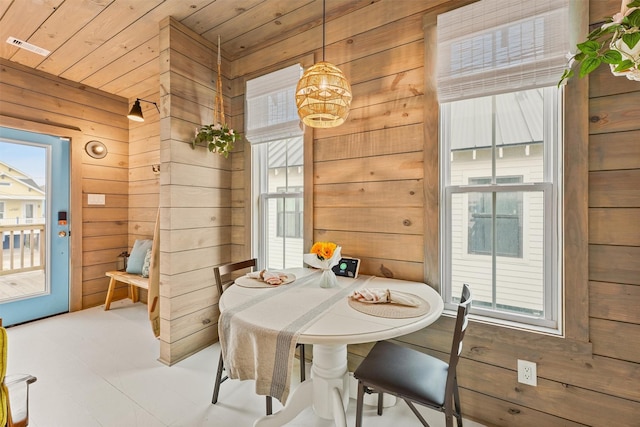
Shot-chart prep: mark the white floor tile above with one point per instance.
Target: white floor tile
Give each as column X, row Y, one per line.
column 98, row 368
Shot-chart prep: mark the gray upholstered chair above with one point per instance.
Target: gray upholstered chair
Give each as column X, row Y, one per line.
column 414, row 376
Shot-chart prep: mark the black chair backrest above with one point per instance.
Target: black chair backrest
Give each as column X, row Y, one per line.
column 223, row 270
column 462, row 321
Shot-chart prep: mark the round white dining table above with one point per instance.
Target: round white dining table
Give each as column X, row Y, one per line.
column 328, row 388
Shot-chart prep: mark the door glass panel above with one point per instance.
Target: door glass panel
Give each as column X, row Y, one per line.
column 23, row 182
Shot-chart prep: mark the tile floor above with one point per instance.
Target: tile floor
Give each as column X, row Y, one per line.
column 98, row 368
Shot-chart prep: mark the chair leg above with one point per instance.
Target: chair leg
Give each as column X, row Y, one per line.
column 448, row 418
column 220, row 380
column 359, row 404
column 380, row 399
column 269, row 405
column 303, row 373
column 416, row 413
column 456, row 401
column 216, row 387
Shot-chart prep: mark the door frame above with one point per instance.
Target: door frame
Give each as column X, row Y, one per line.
column 76, row 145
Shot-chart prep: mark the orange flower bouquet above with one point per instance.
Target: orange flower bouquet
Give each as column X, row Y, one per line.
column 324, row 255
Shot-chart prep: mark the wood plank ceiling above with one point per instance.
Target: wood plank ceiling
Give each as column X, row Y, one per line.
column 112, row 45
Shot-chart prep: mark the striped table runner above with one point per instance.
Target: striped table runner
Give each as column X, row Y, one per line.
column 258, row 337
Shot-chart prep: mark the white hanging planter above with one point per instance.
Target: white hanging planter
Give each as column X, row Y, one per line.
column 616, row 43
column 627, row 53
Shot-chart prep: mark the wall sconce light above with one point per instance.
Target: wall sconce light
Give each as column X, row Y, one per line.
column 136, row 111
column 96, row 149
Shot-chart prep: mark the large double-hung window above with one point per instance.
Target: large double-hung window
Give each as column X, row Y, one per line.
column 501, row 158
column 273, row 128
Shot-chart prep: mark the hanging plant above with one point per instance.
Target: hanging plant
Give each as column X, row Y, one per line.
column 218, row 137
column 616, row 42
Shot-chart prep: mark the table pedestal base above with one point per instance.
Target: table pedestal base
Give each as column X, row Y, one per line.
column 327, row 390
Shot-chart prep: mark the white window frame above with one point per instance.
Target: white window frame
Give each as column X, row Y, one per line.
column 536, row 46
column 261, row 196
column 551, row 188
column 268, row 121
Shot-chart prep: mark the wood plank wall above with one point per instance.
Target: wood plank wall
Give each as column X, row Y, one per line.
column 368, row 173
column 143, row 182
column 372, row 162
column 367, row 168
column 195, row 196
column 40, row 100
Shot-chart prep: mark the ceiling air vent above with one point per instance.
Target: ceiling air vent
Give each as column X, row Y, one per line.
column 28, row 46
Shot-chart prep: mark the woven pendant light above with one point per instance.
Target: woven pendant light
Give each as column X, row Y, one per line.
column 323, row 93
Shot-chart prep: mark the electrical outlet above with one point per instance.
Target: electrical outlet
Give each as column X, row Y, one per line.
column 527, row 373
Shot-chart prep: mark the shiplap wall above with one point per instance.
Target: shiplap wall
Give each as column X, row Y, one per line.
column 144, row 183
column 39, row 101
column 377, row 157
column 367, row 173
column 368, row 190
column 195, row 196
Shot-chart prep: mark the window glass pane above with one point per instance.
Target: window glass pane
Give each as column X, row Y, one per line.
column 275, row 251
column 518, row 286
column 284, row 234
column 519, row 134
column 520, row 282
column 284, row 204
column 471, row 144
column 506, row 127
column 480, row 223
column 508, row 219
column 476, row 270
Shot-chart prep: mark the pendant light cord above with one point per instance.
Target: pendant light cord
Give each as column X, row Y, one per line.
column 324, row 5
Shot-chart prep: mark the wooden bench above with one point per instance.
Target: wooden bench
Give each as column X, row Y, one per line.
column 136, row 281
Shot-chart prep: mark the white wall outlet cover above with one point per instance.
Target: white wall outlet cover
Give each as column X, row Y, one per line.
column 527, row 372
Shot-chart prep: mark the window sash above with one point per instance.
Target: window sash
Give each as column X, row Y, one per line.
column 551, row 186
column 550, row 296
column 262, row 195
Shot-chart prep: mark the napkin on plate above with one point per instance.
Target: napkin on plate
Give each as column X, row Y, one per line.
column 270, row 277
column 378, row 295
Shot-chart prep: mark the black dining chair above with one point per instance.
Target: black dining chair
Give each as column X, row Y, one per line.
column 223, row 271
column 414, row 376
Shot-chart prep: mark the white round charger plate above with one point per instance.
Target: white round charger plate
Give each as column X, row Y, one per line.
column 391, row 310
column 250, row 282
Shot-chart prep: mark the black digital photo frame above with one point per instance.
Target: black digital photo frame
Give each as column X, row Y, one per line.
column 347, row 267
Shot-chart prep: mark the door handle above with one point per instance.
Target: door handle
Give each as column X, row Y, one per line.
column 62, row 233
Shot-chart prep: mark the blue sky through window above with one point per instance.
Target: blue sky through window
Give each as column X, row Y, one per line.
column 27, row 159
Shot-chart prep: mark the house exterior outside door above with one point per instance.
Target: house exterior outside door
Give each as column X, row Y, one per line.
column 35, row 225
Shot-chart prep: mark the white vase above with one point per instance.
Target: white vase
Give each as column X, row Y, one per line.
column 328, row 279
